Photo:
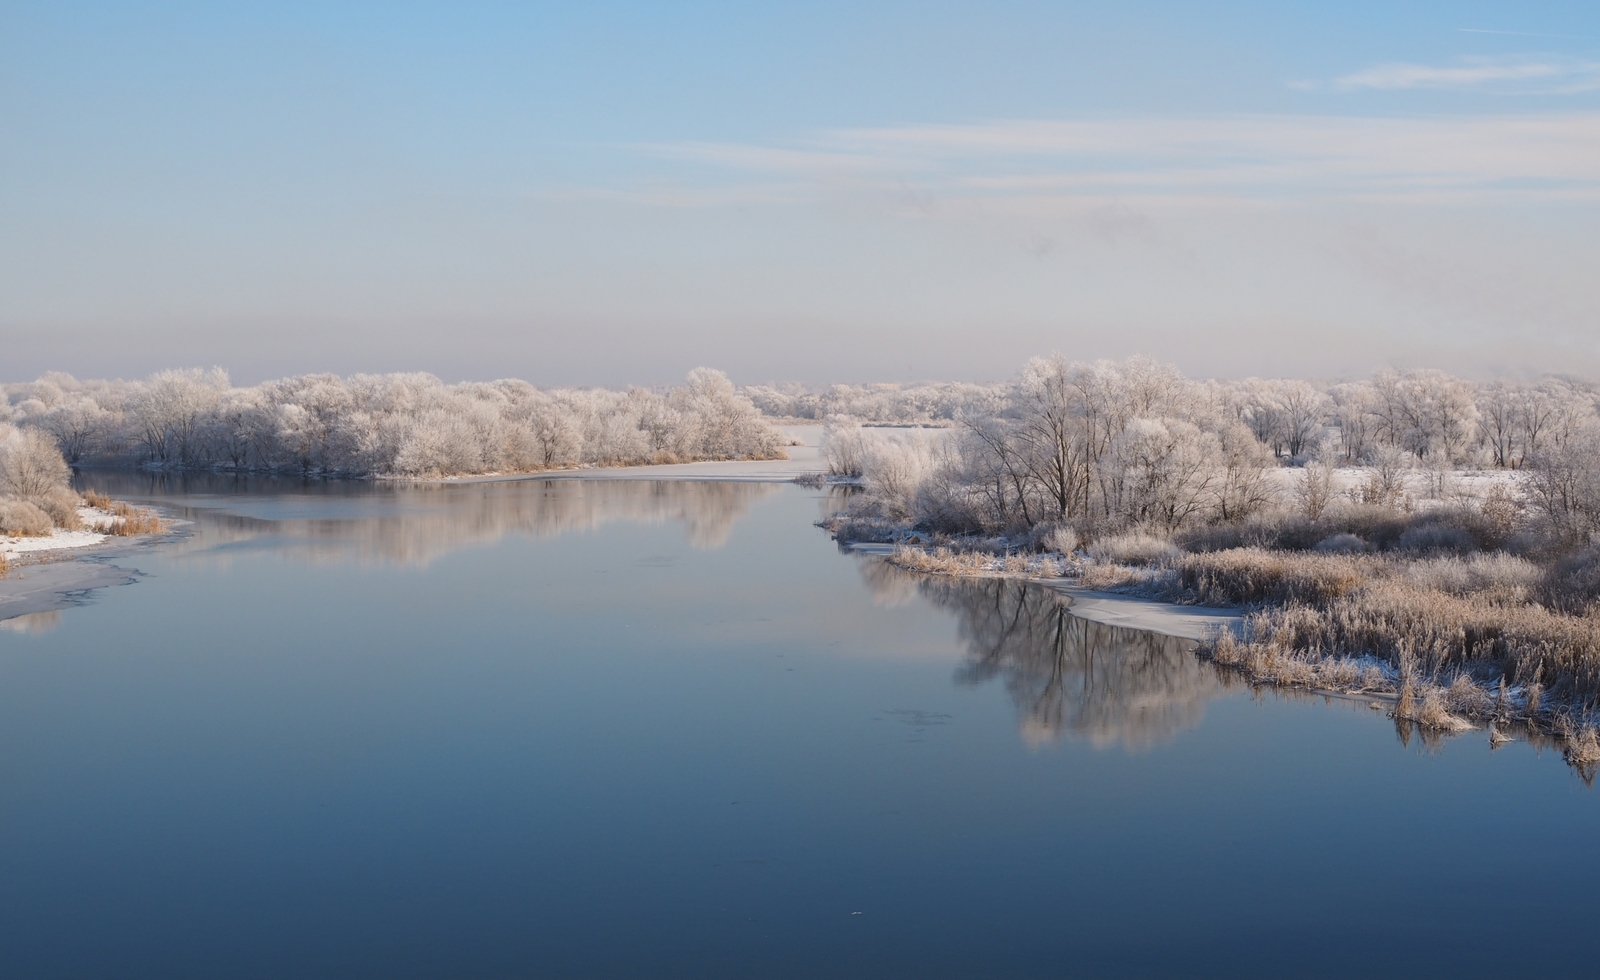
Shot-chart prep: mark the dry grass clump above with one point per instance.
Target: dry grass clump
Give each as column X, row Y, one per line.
column 1247, row 576
column 62, row 506
column 1581, row 747
column 945, row 561
column 1456, row 529
column 1272, row 663
column 1432, row 710
column 97, row 500
column 129, row 521
column 1250, row 576
column 1505, row 577
column 1136, row 548
column 939, row 561
column 1465, row 696
column 1126, row 578
column 5, row 564
column 1572, row 584
column 24, row 519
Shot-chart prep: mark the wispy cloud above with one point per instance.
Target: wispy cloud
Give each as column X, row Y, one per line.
column 1484, row 30
column 1178, row 162
column 1531, row 75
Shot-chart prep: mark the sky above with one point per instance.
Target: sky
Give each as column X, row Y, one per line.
column 823, row 192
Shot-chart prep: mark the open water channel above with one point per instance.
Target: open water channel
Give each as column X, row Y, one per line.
column 649, row 729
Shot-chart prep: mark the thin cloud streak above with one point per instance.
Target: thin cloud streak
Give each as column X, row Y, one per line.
column 1528, row 76
column 1480, row 30
column 1246, row 158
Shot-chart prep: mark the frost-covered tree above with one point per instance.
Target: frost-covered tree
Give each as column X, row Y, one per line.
column 30, row 464
column 398, row 424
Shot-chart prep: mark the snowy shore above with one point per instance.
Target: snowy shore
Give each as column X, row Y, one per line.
column 96, row 529
column 50, row 572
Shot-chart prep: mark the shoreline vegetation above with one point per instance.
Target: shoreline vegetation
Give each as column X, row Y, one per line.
column 42, row 516
column 1415, row 538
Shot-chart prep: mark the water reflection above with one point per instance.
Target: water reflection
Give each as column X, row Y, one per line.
column 1066, row 675
column 412, row 524
column 38, row 622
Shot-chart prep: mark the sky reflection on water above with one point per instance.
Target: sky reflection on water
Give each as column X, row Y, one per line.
column 604, row 729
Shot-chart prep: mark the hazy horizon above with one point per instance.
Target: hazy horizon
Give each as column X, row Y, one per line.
column 828, row 193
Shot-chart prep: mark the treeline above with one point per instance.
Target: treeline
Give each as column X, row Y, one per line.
column 935, row 403
column 386, row 425
column 1110, row 446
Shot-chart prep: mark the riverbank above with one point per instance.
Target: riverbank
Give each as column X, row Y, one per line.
column 47, row 572
column 1131, row 611
column 1452, row 643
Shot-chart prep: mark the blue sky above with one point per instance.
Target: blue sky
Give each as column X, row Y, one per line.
column 616, row 193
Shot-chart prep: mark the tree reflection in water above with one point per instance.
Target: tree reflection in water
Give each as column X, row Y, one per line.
column 1067, row 675
column 414, row 523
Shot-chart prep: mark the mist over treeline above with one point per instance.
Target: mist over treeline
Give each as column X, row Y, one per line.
column 921, row 403
column 393, row 424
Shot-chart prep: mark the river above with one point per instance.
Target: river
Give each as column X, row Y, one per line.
column 651, row 729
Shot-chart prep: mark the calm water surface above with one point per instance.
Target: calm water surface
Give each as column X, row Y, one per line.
column 608, row 729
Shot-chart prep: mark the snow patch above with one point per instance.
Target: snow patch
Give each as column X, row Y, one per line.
column 96, row 523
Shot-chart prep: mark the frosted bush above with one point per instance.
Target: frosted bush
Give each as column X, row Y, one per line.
column 894, row 471
column 30, row 464
column 1061, row 539
column 844, row 446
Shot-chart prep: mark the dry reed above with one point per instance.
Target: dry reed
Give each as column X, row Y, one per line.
column 944, row 561
column 1248, row 576
column 1581, row 747
column 1449, row 639
column 1452, row 640
column 128, row 521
